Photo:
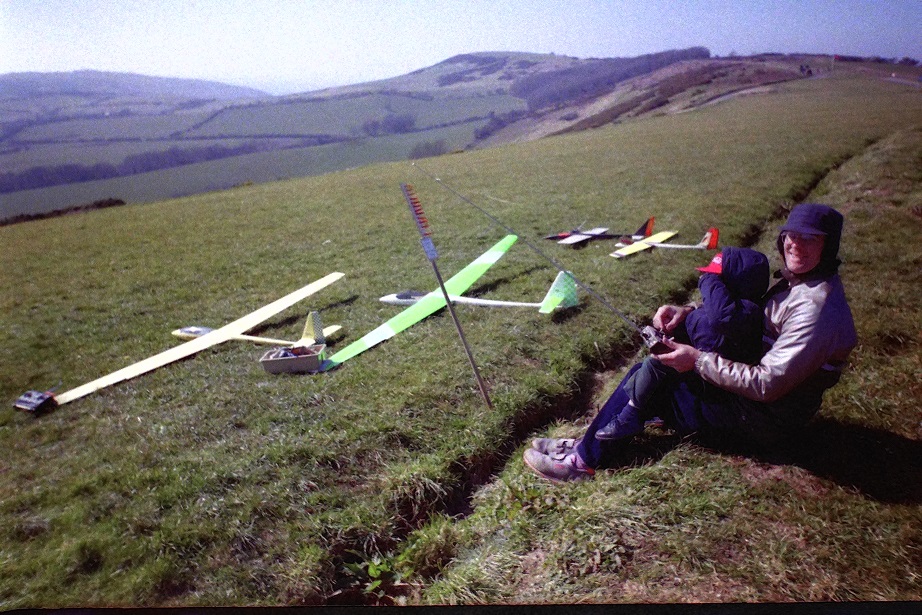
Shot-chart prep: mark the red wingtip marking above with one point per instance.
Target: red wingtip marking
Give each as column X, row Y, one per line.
column 712, row 244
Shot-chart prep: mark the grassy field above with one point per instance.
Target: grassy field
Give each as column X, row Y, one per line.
column 106, row 153
column 210, row 482
column 237, row 170
column 50, row 141
column 378, row 124
column 836, row 517
column 346, row 116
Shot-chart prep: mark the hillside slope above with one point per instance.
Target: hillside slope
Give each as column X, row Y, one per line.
column 468, row 101
column 834, row 516
column 69, row 141
column 211, row 482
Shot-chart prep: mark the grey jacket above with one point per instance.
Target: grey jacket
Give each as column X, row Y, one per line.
column 809, row 333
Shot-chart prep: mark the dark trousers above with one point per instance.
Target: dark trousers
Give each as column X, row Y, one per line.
column 642, row 385
column 688, row 405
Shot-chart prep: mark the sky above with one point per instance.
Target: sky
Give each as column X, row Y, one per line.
column 287, row 46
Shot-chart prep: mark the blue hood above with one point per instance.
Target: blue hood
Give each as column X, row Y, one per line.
column 745, row 272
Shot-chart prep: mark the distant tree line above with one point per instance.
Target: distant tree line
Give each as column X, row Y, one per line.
column 590, row 79
column 395, row 123
column 427, row 149
column 907, row 61
column 100, row 204
column 56, row 175
column 498, row 121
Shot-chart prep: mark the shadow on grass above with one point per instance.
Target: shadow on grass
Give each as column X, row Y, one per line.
column 879, row 464
column 291, row 320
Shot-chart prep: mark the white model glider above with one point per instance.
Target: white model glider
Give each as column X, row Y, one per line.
column 577, row 235
column 425, row 306
column 561, row 294
column 33, row 401
column 657, row 240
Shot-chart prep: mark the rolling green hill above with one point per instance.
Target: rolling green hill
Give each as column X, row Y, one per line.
column 72, row 147
column 91, row 139
column 211, row 482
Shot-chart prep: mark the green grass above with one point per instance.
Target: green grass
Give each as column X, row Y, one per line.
column 345, row 116
column 451, row 117
column 210, row 482
column 836, row 520
column 92, row 153
column 132, row 126
column 237, row 170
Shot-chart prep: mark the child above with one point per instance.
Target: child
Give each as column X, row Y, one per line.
column 728, row 322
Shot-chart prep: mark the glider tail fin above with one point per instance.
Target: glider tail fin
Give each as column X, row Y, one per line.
column 561, row 294
column 306, row 338
column 316, row 327
column 709, row 241
column 646, row 229
column 315, row 332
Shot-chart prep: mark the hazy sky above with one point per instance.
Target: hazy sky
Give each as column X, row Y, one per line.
column 284, row 46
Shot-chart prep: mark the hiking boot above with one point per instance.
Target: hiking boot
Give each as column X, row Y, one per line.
column 557, row 448
column 568, row 468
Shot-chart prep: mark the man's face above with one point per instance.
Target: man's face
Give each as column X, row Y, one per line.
column 802, row 252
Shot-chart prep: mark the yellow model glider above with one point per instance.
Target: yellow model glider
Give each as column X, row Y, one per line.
column 657, row 240
column 308, row 337
column 34, row 401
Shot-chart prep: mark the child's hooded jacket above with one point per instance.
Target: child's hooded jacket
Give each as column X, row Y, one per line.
column 730, row 320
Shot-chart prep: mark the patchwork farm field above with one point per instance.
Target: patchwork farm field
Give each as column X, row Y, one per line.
column 211, row 482
column 57, row 153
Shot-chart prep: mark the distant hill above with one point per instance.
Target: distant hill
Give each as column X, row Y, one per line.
column 92, row 84
column 72, row 139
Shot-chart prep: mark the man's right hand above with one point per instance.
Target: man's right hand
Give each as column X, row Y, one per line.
column 668, row 317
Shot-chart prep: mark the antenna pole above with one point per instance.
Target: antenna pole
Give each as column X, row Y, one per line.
column 422, row 225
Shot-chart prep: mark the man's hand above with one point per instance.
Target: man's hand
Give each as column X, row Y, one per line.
column 682, row 357
column 668, row 317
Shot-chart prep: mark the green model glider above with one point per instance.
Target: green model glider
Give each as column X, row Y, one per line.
column 426, row 306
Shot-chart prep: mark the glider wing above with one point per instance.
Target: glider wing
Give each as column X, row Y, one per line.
column 428, row 305
column 580, row 236
column 708, row 242
column 193, row 332
column 227, row 332
column 643, row 244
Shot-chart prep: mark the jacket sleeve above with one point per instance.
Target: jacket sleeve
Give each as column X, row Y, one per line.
column 801, row 348
column 731, row 317
column 726, row 314
column 716, row 300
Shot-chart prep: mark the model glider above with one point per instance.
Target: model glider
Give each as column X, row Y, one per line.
column 33, row 401
column 658, row 240
column 426, row 305
column 577, row 235
column 308, row 336
column 562, row 294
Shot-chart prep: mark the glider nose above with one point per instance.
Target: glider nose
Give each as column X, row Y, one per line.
column 407, row 297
